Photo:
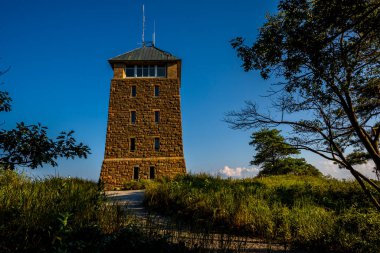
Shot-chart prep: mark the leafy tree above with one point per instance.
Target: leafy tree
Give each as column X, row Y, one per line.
column 272, row 153
column 290, row 165
column 327, row 57
column 30, row 146
column 270, row 147
column 5, row 99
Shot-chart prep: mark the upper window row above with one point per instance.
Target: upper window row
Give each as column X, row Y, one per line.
column 146, row 71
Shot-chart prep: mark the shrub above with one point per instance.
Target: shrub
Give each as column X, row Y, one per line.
column 67, row 215
column 311, row 226
column 292, row 166
column 307, row 212
column 136, row 184
column 358, row 231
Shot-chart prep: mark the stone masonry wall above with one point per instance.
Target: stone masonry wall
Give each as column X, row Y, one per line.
column 116, row 172
column 119, row 159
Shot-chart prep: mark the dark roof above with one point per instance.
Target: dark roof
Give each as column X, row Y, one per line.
column 145, row 53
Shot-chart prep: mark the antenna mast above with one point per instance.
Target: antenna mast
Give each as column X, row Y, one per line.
column 154, row 33
column 143, row 26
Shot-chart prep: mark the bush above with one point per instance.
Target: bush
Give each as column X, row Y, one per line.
column 291, row 166
column 67, row 215
column 41, row 214
column 312, row 213
column 136, row 184
column 358, row 231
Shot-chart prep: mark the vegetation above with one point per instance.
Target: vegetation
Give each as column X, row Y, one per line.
column 137, row 184
column 270, row 147
column 30, row 146
column 67, row 215
column 312, row 213
column 290, row 165
column 328, row 59
column 273, row 154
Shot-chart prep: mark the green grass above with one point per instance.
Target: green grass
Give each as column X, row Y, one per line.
column 136, row 184
column 72, row 215
column 313, row 213
column 67, row 215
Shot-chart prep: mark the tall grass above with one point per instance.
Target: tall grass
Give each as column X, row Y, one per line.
column 52, row 214
column 66, row 215
column 312, row 213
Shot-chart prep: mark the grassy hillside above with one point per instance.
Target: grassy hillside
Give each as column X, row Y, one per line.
column 312, row 213
column 67, row 215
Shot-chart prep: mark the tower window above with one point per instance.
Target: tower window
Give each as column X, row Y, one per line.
column 133, row 91
column 136, row 171
column 156, row 144
column 146, row 71
column 161, row 71
column 130, row 71
column 156, row 90
column 133, row 117
column 132, row 144
column 139, row 71
column 156, row 117
column 152, row 71
column 152, row 172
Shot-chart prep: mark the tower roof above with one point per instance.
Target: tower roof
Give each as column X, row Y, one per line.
column 145, row 53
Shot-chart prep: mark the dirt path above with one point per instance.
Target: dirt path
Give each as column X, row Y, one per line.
column 175, row 232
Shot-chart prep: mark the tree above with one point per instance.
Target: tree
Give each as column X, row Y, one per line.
column 327, row 57
column 30, row 146
column 270, row 147
column 272, row 153
column 291, row 165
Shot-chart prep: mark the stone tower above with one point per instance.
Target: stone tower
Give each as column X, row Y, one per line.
column 144, row 131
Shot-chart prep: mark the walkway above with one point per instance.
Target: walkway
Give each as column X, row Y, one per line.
column 132, row 200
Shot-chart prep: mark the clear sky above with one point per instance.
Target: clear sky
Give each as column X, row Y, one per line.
column 59, row 76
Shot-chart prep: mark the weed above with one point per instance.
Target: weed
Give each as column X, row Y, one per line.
column 312, row 213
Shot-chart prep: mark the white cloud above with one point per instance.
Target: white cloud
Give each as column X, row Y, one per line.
column 325, row 166
column 238, row 172
column 329, row 168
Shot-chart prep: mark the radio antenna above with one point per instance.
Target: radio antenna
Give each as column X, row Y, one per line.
column 154, row 33
column 143, row 26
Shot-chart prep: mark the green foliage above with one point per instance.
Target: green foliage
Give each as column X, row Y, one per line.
column 270, row 147
column 327, row 58
column 5, row 101
column 313, row 213
column 67, row 215
column 30, row 146
column 290, row 165
column 272, row 153
column 136, row 184
column 366, row 226
column 40, row 215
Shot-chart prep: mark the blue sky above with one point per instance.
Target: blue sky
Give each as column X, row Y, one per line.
column 59, row 76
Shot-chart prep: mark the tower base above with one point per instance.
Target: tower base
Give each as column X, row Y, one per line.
column 117, row 171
